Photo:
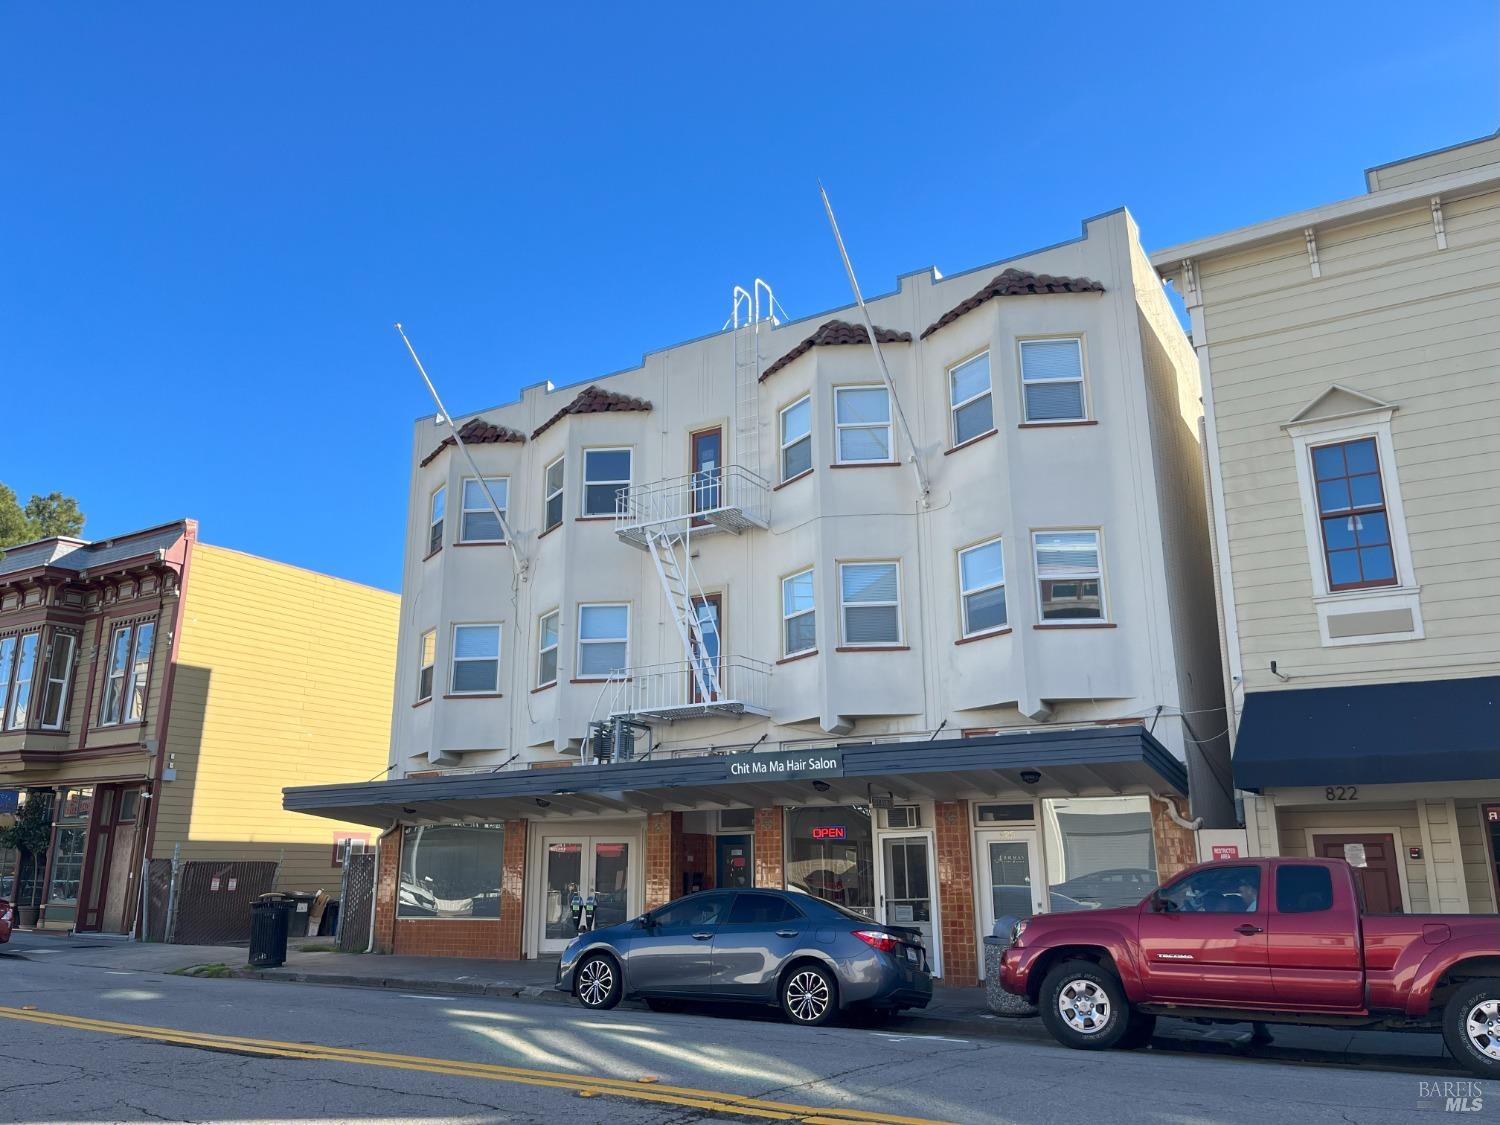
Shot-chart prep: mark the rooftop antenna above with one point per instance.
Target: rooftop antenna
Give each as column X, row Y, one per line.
column 885, row 372
column 443, row 416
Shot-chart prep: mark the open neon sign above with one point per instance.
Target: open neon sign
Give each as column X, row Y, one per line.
column 828, row 832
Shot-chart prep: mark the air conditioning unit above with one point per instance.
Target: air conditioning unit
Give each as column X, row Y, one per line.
column 904, row 816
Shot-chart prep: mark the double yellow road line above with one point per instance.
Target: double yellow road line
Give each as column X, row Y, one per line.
column 584, row 1086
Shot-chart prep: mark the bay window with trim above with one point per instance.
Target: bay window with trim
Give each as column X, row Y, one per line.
column 476, row 660
column 437, row 505
column 59, row 679
column 799, row 632
column 546, row 649
column 862, row 425
column 603, row 640
column 552, row 495
column 22, row 678
column 970, row 398
column 426, row 661
column 1052, row 381
column 606, row 472
column 1355, row 525
column 981, row 582
column 127, row 673
column 8, row 646
column 1070, row 575
column 796, row 438
column 870, row 603
column 477, row 522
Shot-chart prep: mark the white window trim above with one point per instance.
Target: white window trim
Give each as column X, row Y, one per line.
column 30, row 681
column 66, row 681
column 955, row 407
column 1375, row 423
column 14, row 642
column 785, row 445
column 787, row 617
column 1104, row 599
column 844, row 640
column 134, row 672
column 840, row 427
column 583, row 504
column 484, row 508
column 421, row 667
column 578, row 672
column 434, row 520
column 554, row 647
column 548, row 496
column 109, row 675
column 1084, row 398
column 964, row 593
column 454, row 660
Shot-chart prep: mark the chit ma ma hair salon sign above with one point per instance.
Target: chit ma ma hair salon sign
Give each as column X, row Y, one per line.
column 787, row 766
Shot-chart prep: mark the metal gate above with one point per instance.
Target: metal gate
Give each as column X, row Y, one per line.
column 357, row 902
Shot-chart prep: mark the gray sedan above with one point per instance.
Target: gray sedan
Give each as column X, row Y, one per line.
column 811, row 957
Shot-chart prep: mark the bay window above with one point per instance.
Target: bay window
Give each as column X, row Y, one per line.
column 870, row 594
column 476, row 660
column 862, row 421
column 478, row 522
column 970, row 399
column 552, row 495
column 1052, row 380
column 798, row 616
column 603, row 639
column 981, row 579
column 546, row 649
column 59, row 678
column 605, row 473
column 796, row 439
column 1070, row 576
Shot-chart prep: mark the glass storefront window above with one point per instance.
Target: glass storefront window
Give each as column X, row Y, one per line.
column 67, row 864
column 451, row 871
column 830, row 853
column 1099, row 852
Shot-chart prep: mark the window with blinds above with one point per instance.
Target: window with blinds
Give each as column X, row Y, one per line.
column 476, row 659
column 1070, row 576
column 479, row 523
column 870, row 597
column 1052, row 380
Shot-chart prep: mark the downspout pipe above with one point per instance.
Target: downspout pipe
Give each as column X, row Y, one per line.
column 1176, row 817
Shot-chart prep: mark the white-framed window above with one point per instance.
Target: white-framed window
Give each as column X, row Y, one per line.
column 799, row 620
column 870, row 599
column 426, row 661
column 114, row 675
column 59, row 680
column 981, row 583
column 546, row 648
column 140, row 672
column 436, row 506
column 127, row 673
column 477, row 523
column 19, row 708
column 862, row 421
column 603, row 639
column 1052, row 380
column 476, row 660
column 552, row 495
column 7, row 667
column 796, row 438
column 605, row 472
column 1069, row 575
column 970, row 399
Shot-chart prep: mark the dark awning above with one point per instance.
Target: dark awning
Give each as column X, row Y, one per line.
column 1373, row 734
column 1072, row 762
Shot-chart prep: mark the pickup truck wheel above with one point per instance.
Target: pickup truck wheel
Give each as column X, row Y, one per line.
column 1084, row 1006
column 1471, row 1027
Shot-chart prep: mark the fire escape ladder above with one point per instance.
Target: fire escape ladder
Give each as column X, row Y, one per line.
column 679, row 584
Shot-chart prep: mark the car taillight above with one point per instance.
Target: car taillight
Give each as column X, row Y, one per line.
column 877, row 940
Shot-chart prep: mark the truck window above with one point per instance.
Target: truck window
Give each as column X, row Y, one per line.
column 1218, row 890
column 1303, row 889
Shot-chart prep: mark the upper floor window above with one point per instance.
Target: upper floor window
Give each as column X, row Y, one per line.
column 796, row 438
column 862, row 419
column 603, row 639
column 552, row 495
column 127, row 673
column 1352, row 512
column 871, row 602
column 799, row 631
column 476, row 660
column 546, row 649
column 605, row 473
column 970, row 399
column 1052, row 380
column 17, row 671
column 1070, row 578
column 7, row 667
column 436, row 506
column 426, row 659
column 981, row 577
column 478, row 522
column 59, row 679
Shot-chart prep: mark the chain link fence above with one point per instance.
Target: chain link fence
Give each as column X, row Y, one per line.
column 202, row 902
column 357, row 902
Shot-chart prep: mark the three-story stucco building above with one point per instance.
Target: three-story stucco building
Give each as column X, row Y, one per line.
column 942, row 650
column 1351, row 370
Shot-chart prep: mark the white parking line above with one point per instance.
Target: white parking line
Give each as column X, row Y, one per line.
column 409, row 996
column 930, row 1038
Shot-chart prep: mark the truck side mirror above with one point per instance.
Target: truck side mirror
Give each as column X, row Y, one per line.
column 1160, row 905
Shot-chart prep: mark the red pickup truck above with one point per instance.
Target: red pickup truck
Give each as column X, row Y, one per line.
column 1269, row 940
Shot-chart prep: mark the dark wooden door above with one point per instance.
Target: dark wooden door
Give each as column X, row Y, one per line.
column 708, row 470
column 1378, row 878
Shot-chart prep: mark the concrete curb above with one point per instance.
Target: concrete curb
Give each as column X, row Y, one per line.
column 500, row 990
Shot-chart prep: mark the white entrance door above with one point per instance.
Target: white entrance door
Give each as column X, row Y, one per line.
column 1009, row 876
column 908, row 888
column 588, row 869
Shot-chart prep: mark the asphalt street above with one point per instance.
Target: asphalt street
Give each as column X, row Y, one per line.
column 86, row 1043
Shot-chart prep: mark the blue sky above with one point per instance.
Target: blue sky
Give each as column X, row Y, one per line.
column 211, row 214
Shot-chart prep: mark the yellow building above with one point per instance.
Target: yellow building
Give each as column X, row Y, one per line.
column 157, row 693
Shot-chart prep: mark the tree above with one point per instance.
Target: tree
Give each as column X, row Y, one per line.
column 43, row 516
column 30, row 834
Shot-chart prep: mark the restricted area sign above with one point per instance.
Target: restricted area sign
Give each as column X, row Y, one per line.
column 1226, row 851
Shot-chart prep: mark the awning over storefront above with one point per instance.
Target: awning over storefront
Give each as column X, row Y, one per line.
column 1093, row 761
column 1373, row 734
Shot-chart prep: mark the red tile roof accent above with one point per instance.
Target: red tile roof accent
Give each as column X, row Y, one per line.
column 1015, row 283
column 591, row 400
column 476, row 431
column 836, row 332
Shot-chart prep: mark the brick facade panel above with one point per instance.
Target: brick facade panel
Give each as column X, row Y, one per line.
column 955, row 873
